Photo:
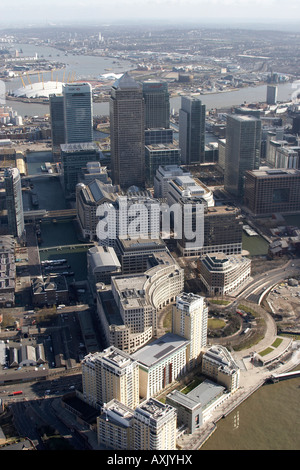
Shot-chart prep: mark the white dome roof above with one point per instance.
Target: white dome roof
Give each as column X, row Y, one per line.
column 39, row 90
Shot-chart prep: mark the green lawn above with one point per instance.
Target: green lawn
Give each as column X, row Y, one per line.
column 191, row 386
column 277, row 342
column 220, row 302
column 266, row 351
column 215, row 324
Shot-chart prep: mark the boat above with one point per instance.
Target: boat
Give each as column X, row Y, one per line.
column 34, row 199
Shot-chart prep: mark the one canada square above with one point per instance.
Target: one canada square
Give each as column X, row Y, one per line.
column 127, row 131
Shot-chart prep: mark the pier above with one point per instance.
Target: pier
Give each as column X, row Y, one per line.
column 285, row 375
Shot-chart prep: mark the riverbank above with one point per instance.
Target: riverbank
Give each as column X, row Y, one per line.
column 251, row 380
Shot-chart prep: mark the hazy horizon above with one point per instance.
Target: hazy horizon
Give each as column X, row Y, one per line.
column 258, row 13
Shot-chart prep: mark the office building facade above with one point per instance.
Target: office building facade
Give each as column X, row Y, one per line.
column 157, row 155
column 192, row 130
column 78, row 112
column 269, row 191
column 74, row 157
column 158, row 136
column 243, row 143
column 56, row 106
column 222, row 274
column 127, row 133
column 157, row 105
column 14, row 202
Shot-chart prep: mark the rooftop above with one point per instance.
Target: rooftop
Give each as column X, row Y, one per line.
column 264, row 172
column 79, row 147
column 156, row 351
column 126, row 82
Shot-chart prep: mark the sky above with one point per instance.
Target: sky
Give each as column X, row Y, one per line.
column 99, row 11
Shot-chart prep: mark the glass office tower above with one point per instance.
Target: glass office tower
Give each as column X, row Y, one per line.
column 192, row 130
column 242, row 152
column 78, row 112
column 127, row 133
column 157, row 105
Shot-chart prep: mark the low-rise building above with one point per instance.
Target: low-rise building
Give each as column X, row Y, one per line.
column 218, row 364
column 49, row 290
column 222, row 274
column 7, row 271
column 194, row 408
column 102, row 264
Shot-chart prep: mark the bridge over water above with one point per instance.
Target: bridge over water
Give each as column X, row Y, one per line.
column 81, row 246
column 44, row 215
column 40, row 176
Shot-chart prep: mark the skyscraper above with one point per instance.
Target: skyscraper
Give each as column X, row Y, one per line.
column 56, row 105
column 192, row 130
column 157, row 105
column 242, row 153
column 127, row 132
column 14, row 203
column 189, row 320
column 78, row 112
column 271, row 94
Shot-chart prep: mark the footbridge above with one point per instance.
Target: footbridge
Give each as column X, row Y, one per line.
column 50, row 216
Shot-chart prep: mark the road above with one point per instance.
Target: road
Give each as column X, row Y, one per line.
column 263, row 282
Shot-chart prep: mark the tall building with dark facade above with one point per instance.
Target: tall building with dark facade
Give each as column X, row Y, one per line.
column 269, row 191
column 56, row 105
column 192, row 130
column 157, row 155
column 242, row 153
column 127, row 133
column 157, row 105
column 14, row 202
column 78, row 112
column 74, row 157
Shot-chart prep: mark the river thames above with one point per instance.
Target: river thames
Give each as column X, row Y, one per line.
column 270, row 418
column 91, row 67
